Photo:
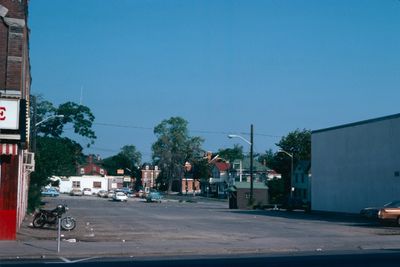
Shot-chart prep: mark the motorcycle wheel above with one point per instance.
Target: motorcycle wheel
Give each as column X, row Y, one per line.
column 68, row 223
column 39, row 221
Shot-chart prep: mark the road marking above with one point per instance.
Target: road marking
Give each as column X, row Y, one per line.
column 67, row 261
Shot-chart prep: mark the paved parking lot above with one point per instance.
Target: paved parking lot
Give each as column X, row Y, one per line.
column 210, row 227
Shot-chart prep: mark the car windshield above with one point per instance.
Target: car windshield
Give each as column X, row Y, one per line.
column 393, row 204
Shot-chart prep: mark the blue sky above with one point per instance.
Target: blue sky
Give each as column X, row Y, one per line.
column 221, row 65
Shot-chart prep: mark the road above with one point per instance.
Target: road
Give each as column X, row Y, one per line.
column 338, row 260
column 138, row 229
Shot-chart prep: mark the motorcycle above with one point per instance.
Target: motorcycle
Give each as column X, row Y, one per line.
column 50, row 217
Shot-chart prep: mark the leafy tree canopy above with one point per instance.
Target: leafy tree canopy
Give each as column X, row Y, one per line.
column 79, row 116
column 173, row 147
column 231, row 154
column 128, row 158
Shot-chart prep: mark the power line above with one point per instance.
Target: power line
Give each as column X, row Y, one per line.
column 193, row 131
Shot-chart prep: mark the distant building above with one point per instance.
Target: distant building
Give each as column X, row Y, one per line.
column 356, row 165
column 241, row 171
column 150, row 174
column 92, row 167
column 302, row 181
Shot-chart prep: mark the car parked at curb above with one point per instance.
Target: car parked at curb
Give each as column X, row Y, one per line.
column 87, row 191
column 50, row 192
column 154, row 196
column 120, row 196
column 102, row 193
column 390, row 213
column 76, row 192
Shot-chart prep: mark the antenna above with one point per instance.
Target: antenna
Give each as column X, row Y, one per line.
column 81, row 99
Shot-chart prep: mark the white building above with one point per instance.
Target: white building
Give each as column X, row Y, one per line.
column 356, row 165
column 95, row 183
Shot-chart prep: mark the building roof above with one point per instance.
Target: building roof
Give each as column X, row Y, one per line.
column 222, row 166
column 257, row 166
column 245, row 185
column 390, row 117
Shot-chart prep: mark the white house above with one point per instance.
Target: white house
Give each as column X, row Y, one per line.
column 95, row 183
column 356, row 165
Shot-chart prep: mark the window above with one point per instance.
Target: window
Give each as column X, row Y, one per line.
column 76, row 184
column 96, row 184
column 302, row 179
column 94, row 168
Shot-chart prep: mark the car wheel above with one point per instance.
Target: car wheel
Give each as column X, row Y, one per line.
column 398, row 221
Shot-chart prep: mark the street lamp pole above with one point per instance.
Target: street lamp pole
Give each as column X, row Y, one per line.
column 35, row 125
column 291, row 170
column 251, row 164
column 251, row 158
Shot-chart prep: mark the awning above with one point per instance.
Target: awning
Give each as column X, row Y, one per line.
column 8, row 149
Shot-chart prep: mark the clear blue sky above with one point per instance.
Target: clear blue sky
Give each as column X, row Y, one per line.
column 221, row 65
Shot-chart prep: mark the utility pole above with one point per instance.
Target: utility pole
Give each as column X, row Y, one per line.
column 251, row 164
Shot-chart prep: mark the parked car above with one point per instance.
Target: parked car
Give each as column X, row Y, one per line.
column 126, row 191
column 76, row 192
column 154, row 196
column 139, row 193
column 390, row 213
column 120, row 196
column 373, row 212
column 102, row 193
column 50, row 192
column 87, row 191
column 110, row 194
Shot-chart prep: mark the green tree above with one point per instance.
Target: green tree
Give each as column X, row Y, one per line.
column 231, row 154
column 55, row 154
column 78, row 116
column 128, row 158
column 173, row 147
column 298, row 144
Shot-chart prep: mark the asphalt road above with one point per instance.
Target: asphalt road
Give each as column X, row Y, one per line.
column 139, row 229
column 346, row 260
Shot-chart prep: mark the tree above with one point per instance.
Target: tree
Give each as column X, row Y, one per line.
column 79, row 116
column 231, row 154
column 173, row 147
column 55, row 154
column 298, row 144
column 128, row 158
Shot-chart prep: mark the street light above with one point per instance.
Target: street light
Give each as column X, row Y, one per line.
column 291, row 170
column 37, row 124
column 48, row 118
column 251, row 157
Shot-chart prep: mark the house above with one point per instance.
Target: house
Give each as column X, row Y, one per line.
column 95, row 183
column 92, row 167
column 189, row 184
column 356, row 165
column 220, row 178
column 150, row 174
column 302, row 181
column 241, row 171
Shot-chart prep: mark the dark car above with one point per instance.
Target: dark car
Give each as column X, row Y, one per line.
column 154, row 196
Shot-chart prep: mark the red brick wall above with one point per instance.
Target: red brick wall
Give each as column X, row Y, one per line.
column 8, row 197
column 14, row 75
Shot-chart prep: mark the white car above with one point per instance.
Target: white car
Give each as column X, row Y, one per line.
column 87, row 191
column 119, row 196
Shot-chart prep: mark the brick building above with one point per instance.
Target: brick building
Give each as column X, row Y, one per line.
column 16, row 162
column 149, row 175
column 92, row 167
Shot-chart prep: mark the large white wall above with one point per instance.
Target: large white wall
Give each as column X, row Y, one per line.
column 354, row 166
column 86, row 181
